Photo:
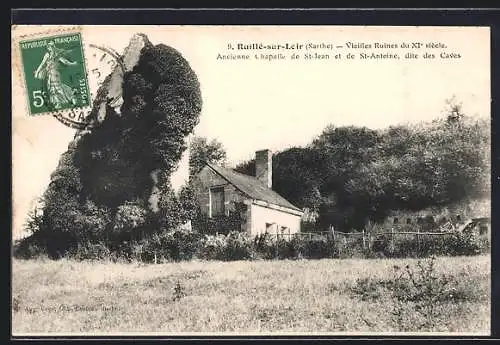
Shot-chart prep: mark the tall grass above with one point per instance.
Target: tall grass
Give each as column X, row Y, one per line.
column 421, row 295
column 282, row 296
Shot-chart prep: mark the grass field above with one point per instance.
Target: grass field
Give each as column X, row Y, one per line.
column 305, row 296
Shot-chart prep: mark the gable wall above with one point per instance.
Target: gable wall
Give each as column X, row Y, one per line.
column 206, row 179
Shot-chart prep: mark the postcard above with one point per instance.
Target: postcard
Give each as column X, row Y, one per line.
column 250, row 180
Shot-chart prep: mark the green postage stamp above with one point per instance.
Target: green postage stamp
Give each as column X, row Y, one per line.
column 54, row 73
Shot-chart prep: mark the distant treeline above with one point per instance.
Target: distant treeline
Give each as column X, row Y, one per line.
column 350, row 175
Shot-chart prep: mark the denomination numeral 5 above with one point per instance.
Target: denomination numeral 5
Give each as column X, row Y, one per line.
column 38, row 100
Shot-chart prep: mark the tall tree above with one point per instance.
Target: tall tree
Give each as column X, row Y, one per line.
column 105, row 180
column 246, row 167
column 202, row 151
column 302, row 186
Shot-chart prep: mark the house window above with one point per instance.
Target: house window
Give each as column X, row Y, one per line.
column 217, row 201
column 270, row 227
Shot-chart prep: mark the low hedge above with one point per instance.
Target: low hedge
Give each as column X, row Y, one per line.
column 182, row 244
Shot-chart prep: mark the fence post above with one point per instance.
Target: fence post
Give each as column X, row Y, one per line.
column 333, row 233
column 310, row 236
column 277, row 251
column 364, row 243
column 392, row 237
column 418, row 239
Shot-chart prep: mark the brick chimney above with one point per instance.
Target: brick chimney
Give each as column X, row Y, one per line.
column 264, row 167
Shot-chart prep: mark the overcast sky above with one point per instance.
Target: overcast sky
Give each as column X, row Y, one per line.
column 251, row 105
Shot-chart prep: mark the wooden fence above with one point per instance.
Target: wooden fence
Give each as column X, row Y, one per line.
column 368, row 238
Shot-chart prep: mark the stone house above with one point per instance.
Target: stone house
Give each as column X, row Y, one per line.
column 220, row 191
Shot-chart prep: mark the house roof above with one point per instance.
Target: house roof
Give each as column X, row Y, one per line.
column 252, row 187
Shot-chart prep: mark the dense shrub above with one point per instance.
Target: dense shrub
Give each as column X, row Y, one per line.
column 129, row 217
column 175, row 245
column 382, row 244
column 125, row 251
column 467, row 243
column 349, row 246
column 211, row 247
column 457, row 243
column 233, row 246
column 265, row 246
column 31, row 247
column 414, row 246
column 299, row 247
column 287, row 249
column 90, row 251
column 238, row 246
column 317, row 248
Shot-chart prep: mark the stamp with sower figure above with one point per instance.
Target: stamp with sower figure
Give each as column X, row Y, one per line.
column 55, row 74
column 56, row 71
